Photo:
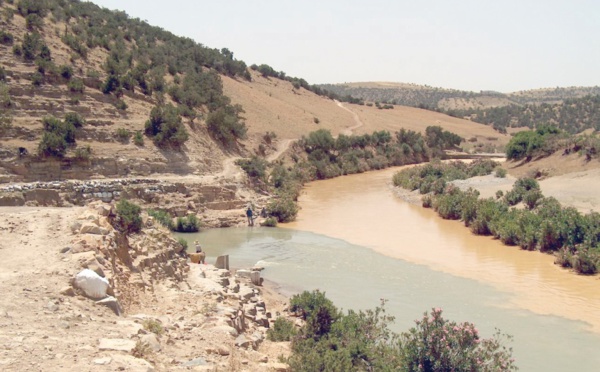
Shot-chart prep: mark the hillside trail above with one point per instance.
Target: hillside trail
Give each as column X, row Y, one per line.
column 350, row 130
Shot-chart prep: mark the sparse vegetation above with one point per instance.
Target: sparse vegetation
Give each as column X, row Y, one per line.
column 123, row 135
column 154, row 326
column 128, row 218
column 163, row 217
column 190, row 223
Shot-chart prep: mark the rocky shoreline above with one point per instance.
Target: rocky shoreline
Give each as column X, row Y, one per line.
column 174, row 314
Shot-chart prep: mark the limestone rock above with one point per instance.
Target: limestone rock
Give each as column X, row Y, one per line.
column 222, row 262
column 152, row 341
column 195, row 362
column 116, row 344
column 112, row 303
column 90, row 228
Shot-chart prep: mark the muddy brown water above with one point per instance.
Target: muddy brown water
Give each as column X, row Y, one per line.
column 362, row 209
column 356, row 240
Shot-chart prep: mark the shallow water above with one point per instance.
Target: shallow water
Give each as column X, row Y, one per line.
column 362, row 244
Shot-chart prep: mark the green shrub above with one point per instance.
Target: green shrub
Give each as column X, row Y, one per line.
column 225, row 125
column 437, row 344
column 165, row 127
column 121, row 105
column 138, row 138
column 255, row 167
column 283, row 208
column 74, row 119
column 500, row 172
column 76, row 85
column 184, row 243
column 123, row 135
column 6, row 38
column 283, row 330
column 187, row 224
column 163, row 217
column 65, row 71
column 83, row 153
column 128, row 217
column 586, row 260
column 36, row 78
column 269, row 222
column 52, row 144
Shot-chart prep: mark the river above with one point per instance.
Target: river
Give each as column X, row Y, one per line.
column 358, row 242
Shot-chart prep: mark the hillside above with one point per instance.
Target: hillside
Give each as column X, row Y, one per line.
column 115, row 83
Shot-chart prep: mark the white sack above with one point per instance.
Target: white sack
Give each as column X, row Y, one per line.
column 91, row 283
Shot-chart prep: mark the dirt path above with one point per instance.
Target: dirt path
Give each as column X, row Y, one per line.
column 350, row 130
column 281, row 148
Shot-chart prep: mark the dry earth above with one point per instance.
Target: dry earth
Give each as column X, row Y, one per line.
column 45, row 326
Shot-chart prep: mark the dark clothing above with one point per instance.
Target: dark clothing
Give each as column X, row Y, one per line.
column 249, row 215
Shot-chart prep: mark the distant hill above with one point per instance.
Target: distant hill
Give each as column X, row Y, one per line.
column 434, row 98
column 573, row 108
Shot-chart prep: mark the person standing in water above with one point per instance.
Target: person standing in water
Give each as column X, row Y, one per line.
column 249, row 215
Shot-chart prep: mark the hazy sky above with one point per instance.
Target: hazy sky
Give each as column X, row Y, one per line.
column 502, row 45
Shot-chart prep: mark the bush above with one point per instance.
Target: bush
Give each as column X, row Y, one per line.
column 283, row 209
column 121, row 105
column 269, row 222
column 183, row 243
column 138, row 139
column 154, row 326
column 128, row 217
column 255, row 167
column 83, row 153
column 66, row 71
column 586, row 260
column 165, row 127
column 74, row 119
column 436, row 344
column 283, row 330
column 187, row 224
column 225, row 125
column 162, row 217
column 500, row 172
column 123, row 135
column 6, row 38
column 76, row 85
column 52, row 144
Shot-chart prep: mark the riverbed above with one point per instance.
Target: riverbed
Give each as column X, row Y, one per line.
column 358, row 242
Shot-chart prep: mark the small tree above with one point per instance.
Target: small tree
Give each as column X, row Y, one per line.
column 165, row 127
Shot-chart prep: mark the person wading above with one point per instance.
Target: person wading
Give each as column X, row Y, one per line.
column 249, row 215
